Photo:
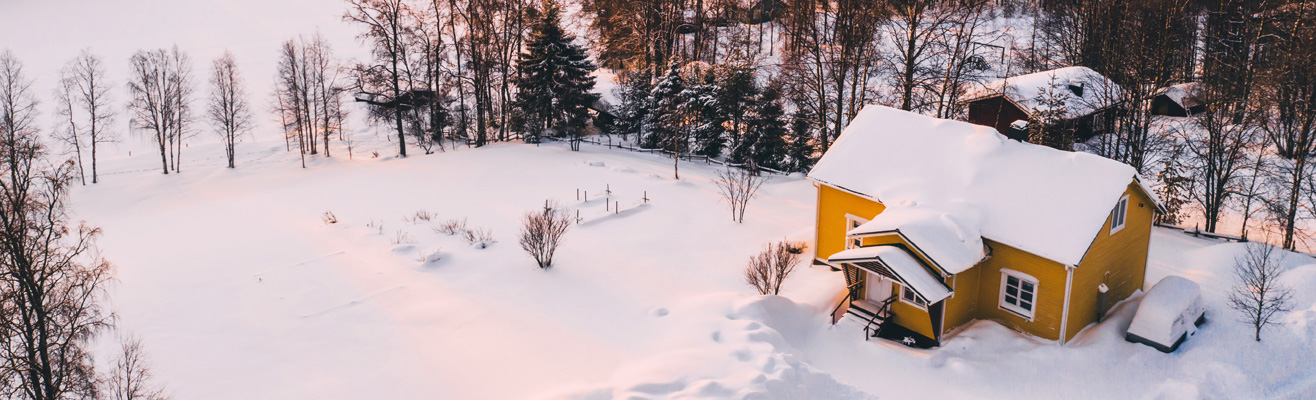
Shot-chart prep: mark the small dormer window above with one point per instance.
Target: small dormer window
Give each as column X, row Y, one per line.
column 1076, row 88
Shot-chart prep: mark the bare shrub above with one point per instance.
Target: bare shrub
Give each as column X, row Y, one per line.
column 737, row 187
column 1258, row 294
column 542, row 231
column 131, row 377
column 479, row 237
column 418, row 217
column 402, row 237
column 378, row 226
column 452, row 227
column 329, row 218
column 770, row 268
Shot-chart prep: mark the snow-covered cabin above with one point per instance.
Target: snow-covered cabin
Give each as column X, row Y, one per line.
column 1177, row 101
column 936, row 223
column 1084, row 99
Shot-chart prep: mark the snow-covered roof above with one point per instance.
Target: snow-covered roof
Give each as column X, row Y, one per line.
column 1094, row 91
column 905, row 266
column 952, row 242
column 1041, row 200
column 1181, row 94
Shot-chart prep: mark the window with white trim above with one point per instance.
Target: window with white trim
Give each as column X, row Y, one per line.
column 911, row 297
column 852, row 222
column 1119, row 214
column 1018, row 293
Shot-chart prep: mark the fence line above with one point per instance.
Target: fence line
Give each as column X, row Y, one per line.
column 686, row 157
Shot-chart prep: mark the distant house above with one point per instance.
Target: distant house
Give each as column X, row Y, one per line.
column 1085, row 99
column 1177, row 101
column 936, row 223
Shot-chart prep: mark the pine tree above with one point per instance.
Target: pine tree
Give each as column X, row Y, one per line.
column 554, row 85
column 801, row 150
column 737, row 91
column 768, row 127
column 1173, row 189
column 710, row 118
column 634, row 96
column 663, row 122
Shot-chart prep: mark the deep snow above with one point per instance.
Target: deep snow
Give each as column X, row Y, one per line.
column 241, row 291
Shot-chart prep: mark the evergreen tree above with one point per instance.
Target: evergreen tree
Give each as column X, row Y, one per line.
column 710, row 118
column 554, row 85
column 737, row 92
column 800, row 151
column 663, row 122
column 768, row 127
column 634, row 96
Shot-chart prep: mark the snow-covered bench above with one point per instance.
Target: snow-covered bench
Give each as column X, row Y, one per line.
column 1170, row 312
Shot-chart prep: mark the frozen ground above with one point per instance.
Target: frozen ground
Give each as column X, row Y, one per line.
column 241, row 291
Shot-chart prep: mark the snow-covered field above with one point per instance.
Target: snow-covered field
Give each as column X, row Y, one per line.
column 240, row 290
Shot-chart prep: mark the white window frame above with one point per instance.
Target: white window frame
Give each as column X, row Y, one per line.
column 852, row 221
column 920, row 303
column 1120, row 215
column 1006, row 274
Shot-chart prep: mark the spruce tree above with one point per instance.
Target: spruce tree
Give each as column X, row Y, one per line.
column 800, row 151
column 554, row 85
column 768, row 127
column 737, row 91
column 665, row 109
column 709, row 132
column 634, row 96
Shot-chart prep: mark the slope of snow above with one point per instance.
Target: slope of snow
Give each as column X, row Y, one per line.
column 1041, row 200
column 941, row 236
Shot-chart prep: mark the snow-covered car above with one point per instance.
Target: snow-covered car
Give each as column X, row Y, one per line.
column 1170, row 312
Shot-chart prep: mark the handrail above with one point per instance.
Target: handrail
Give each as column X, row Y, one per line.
column 885, row 308
column 849, row 292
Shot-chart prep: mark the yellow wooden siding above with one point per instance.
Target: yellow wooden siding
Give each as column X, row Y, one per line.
column 961, row 308
column 1123, row 255
column 1049, row 307
column 833, row 205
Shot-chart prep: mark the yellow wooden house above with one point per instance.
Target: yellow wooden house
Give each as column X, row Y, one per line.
column 936, row 223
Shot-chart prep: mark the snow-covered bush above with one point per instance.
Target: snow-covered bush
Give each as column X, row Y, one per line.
column 402, row 237
column 479, row 237
column 419, row 216
column 541, row 233
column 452, row 227
column 770, row 268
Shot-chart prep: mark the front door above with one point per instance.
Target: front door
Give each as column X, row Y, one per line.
column 877, row 287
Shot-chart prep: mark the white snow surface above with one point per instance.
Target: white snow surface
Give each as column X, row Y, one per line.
column 1170, row 299
column 1045, row 201
column 240, row 291
column 1025, row 91
column 949, row 241
column 909, row 269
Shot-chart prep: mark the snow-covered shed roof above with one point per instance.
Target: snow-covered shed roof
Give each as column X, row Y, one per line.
column 1180, row 94
column 1083, row 91
column 951, row 241
column 905, row 266
column 1041, row 200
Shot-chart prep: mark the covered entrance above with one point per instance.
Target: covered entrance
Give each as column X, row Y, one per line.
column 872, row 274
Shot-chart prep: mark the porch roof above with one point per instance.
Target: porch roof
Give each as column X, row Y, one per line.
column 908, row 270
column 950, row 240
